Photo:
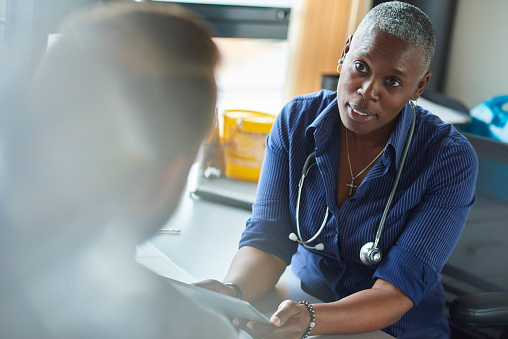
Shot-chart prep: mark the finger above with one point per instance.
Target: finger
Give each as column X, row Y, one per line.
column 287, row 309
column 209, row 284
column 293, row 329
column 259, row 330
column 216, row 286
column 249, row 327
column 237, row 322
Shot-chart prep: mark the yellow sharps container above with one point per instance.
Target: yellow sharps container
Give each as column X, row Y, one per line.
column 245, row 133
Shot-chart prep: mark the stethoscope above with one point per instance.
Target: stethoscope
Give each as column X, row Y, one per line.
column 370, row 254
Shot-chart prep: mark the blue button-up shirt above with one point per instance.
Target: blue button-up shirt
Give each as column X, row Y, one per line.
column 429, row 210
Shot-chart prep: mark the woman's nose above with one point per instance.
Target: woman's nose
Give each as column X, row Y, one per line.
column 369, row 90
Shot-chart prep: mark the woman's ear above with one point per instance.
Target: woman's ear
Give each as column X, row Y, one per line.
column 346, row 47
column 422, row 83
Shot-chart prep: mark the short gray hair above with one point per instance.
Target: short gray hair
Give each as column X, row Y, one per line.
column 406, row 22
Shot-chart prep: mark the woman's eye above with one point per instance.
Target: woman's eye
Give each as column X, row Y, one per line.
column 394, row 83
column 361, row 67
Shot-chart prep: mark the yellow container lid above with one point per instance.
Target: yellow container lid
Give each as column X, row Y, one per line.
column 251, row 121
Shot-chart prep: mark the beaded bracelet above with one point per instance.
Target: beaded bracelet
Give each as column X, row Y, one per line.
column 312, row 318
column 239, row 294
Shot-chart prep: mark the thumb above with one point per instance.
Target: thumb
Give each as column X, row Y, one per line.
column 286, row 310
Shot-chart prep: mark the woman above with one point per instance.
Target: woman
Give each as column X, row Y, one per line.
column 358, row 136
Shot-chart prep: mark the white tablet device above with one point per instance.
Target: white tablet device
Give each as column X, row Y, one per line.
column 229, row 306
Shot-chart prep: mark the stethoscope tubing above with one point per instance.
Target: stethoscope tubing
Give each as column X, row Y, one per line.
column 397, row 177
column 305, row 170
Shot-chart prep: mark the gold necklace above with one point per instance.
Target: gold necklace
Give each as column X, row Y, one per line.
column 353, row 177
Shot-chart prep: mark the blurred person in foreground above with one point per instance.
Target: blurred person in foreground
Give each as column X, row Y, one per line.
column 94, row 164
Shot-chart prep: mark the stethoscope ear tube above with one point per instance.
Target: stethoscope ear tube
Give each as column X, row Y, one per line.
column 306, row 165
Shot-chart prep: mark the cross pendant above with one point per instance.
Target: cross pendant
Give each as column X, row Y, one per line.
column 351, row 186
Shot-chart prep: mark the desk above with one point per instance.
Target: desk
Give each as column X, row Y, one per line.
column 208, row 240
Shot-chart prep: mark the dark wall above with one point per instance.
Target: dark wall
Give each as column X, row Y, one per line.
column 442, row 15
column 245, row 21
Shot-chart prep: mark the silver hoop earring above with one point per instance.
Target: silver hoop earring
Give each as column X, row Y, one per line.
column 413, row 103
column 341, row 62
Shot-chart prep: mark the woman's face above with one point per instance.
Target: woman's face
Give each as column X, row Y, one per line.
column 379, row 75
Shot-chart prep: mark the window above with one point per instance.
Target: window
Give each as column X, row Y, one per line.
column 252, row 38
column 252, row 74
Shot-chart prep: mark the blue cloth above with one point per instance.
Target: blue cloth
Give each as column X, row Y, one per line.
column 429, row 210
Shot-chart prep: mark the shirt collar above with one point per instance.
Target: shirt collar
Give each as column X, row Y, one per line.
column 329, row 117
column 324, row 124
column 401, row 131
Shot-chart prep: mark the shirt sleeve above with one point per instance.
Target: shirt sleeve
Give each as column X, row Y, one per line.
column 270, row 225
column 414, row 263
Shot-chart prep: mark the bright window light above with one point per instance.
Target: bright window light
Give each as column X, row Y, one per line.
column 252, row 74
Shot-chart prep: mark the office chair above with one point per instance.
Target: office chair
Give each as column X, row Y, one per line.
column 475, row 277
column 482, row 310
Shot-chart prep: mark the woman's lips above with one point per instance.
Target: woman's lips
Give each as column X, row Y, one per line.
column 360, row 115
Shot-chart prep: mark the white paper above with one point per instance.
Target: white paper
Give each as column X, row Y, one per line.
column 152, row 258
column 446, row 114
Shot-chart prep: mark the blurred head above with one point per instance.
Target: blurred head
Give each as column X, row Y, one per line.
column 385, row 65
column 116, row 114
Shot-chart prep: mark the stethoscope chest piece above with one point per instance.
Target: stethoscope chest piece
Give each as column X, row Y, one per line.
column 370, row 255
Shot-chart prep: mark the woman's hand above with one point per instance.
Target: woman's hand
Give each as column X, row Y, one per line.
column 217, row 286
column 291, row 320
